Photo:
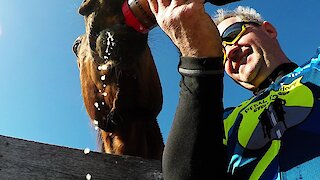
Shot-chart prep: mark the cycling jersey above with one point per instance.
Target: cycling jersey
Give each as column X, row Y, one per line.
column 276, row 133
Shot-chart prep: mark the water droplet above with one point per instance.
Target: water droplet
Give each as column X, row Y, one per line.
column 103, row 77
column 96, row 104
column 86, row 151
column 96, row 128
column 102, row 103
column 99, row 68
column 104, row 85
column 104, row 94
column 95, row 122
column 104, row 67
column 88, row 176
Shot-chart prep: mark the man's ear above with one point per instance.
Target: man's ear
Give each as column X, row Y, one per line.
column 269, row 29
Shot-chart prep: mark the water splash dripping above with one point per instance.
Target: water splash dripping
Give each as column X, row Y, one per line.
column 95, row 122
column 86, row 151
column 104, row 67
column 110, row 44
column 88, row 176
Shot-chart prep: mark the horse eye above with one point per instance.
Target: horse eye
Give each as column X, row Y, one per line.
column 76, row 46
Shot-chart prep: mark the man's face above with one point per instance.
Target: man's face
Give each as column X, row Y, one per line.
column 245, row 59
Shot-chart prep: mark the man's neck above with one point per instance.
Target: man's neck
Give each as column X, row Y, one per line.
column 280, row 71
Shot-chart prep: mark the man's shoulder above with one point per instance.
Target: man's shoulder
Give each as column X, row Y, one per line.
column 315, row 59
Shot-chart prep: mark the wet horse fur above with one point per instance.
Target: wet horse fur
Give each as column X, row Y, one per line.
column 119, row 82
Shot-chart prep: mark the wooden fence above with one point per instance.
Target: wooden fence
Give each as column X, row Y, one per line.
column 23, row 160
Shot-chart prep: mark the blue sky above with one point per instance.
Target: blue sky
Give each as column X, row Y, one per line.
column 40, row 97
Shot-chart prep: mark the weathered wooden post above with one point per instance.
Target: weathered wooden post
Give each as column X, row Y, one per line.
column 22, row 159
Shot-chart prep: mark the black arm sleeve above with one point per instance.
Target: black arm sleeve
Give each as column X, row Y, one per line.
column 194, row 148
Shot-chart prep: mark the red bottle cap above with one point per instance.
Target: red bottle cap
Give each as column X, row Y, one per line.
column 131, row 19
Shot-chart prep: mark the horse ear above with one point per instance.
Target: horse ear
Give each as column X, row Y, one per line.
column 87, row 7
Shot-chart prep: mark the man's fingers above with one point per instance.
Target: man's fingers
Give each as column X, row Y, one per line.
column 153, row 4
column 178, row 2
column 163, row 3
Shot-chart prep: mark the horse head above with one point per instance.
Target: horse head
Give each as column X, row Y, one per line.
column 119, row 81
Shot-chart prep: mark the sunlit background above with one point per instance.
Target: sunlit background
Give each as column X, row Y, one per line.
column 40, row 97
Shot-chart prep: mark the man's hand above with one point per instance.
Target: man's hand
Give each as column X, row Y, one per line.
column 189, row 27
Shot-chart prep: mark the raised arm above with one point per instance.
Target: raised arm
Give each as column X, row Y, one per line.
column 194, row 147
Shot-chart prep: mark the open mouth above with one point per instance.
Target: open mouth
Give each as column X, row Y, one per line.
column 242, row 58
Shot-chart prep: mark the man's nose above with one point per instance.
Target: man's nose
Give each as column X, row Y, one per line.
column 232, row 52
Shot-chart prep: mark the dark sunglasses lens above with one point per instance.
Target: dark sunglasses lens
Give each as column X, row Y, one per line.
column 230, row 37
column 232, row 32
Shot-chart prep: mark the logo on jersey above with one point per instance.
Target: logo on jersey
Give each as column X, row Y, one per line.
column 268, row 118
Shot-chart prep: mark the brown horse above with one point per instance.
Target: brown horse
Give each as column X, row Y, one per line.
column 119, row 81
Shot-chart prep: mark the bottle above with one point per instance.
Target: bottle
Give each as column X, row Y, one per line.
column 138, row 15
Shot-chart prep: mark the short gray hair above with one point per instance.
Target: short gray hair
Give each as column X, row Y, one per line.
column 241, row 12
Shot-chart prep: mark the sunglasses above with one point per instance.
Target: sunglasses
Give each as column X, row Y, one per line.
column 233, row 33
